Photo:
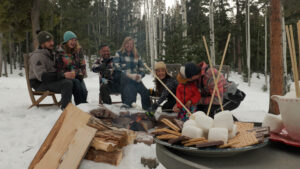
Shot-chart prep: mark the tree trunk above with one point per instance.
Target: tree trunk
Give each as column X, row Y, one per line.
column 164, row 32
column 150, row 7
column 284, row 50
column 276, row 61
column 248, row 43
column 27, row 42
column 154, row 17
column 35, row 21
column 1, row 54
column 160, row 27
column 146, row 28
column 212, row 32
column 107, row 17
column 10, row 53
column 238, row 37
column 184, row 23
column 266, row 49
column 20, row 56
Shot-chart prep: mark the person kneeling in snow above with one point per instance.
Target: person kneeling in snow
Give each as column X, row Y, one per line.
column 130, row 64
column 109, row 79
column 231, row 97
column 161, row 91
column 188, row 93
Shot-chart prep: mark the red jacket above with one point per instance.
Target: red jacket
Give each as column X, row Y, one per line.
column 186, row 92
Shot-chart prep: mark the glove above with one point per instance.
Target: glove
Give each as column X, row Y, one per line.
column 154, row 106
column 104, row 81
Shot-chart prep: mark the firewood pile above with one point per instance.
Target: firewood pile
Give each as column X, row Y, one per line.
column 107, row 144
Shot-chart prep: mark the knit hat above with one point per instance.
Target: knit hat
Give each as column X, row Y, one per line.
column 44, row 36
column 160, row 65
column 69, row 35
column 191, row 69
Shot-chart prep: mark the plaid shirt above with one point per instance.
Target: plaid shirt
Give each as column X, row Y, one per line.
column 97, row 68
column 71, row 62
column 206, row 84
column 128, row 64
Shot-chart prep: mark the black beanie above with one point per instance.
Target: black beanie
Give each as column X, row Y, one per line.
column 191, row 69
column 44, row 36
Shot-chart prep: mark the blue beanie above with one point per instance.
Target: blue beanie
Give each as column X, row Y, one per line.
column 191, row 69
column 69, row 35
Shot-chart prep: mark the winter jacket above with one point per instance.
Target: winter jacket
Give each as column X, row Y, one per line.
column 71, row 62
column 186, row 92
column 42, row 67
column 172, row 84
column 104, row 67
column 206, row 84
column 128, row 64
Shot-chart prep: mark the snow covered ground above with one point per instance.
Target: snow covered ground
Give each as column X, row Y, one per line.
column 22, row 131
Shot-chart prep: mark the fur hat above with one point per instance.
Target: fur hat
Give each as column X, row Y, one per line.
column 69, row 35
column 160, row 65
column 44, row 36
column 182, row 72
column 191, row 69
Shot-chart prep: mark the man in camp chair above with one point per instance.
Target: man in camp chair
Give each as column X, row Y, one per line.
column 42, row 70
column 109, row 78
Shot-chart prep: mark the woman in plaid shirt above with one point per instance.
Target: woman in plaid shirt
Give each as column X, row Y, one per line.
column 70, row 59
column 130, row 64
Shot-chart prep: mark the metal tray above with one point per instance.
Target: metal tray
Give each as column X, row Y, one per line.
column 211, row 152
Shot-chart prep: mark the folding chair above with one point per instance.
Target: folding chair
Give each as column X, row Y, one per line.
column 42, row 94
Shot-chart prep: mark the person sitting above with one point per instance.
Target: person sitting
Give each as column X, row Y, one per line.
column 188, row 93
column 43, row 74
column 130, row 64
column 231, row 97
column 161, row 91
column 70, row 59
column 109, row 79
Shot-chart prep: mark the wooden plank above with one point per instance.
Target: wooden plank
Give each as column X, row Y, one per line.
column 73, row 120
column 78, row 148
column 47, row 143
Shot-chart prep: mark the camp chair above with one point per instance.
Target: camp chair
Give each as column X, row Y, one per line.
column 42, row 94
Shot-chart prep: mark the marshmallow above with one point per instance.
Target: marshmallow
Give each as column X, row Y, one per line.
column 274, row 122
column 218, row 134
column 198, row 113
column 192, row 131
column 190, row 122
column 233, row 132
column 204, row 122
column 224, row 119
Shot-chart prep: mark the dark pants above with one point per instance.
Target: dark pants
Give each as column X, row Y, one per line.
column 129, row 90
column 63, row 86
column 79, row 91
column 107, row 89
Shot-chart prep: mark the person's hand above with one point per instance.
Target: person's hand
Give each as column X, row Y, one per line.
column 138, row 78
column 69, row 75
column 176, row 109
column 188, row 103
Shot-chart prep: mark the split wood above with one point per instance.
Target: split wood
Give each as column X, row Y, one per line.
column 218, row 77
column 213, row 72
column 188, row 111
column 290, row 37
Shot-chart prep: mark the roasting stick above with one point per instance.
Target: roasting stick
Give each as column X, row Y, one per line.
column 293, row 59
column 188, row 111
column 213, row 72
column 221, row 65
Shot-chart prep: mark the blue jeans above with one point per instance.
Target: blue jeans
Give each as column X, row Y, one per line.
column 130, row 89
column 79, row 91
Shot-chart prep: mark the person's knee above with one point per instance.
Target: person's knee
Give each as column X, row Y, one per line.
column 67, row 84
